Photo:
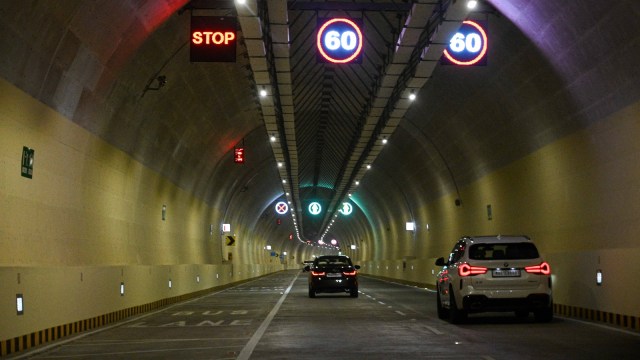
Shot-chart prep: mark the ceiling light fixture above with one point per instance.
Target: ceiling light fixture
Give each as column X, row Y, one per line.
column 384, row 140
column 272, row 138
column 412, row 96
column 471, row 4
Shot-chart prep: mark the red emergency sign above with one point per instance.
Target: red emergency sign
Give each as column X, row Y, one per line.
column 213, row 39
column 238, row 155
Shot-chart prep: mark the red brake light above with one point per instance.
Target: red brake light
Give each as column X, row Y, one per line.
column 467, row 270
column 317, row 273
column 350, row 273
column 543, row 269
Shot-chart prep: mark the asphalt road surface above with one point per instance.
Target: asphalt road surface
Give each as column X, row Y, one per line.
column 273, row 318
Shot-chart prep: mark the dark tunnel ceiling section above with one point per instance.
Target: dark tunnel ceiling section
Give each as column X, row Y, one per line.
column 553, row 68
column 339, row 112
column 331, row 99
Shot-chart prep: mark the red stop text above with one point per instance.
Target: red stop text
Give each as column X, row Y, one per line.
column 212, row 37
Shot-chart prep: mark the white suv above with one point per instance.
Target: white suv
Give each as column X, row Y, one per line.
column 494, row 273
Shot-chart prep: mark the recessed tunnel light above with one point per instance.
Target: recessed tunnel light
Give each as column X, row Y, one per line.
column 19, row 304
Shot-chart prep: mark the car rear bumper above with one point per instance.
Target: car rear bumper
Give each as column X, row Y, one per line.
column 481, row 303
column 333, row 285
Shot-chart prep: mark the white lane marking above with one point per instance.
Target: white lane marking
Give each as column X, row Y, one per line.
column 434, row 330
column 381, row 303
column 253, row 342
column 400, row 313
column 487, row 357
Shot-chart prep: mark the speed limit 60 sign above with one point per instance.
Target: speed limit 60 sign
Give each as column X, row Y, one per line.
column 339, row 40
column 468, row 46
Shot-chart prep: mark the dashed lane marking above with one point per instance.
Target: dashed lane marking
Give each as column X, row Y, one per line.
column 434, row 330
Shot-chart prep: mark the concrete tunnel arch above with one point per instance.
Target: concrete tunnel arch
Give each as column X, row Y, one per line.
column 545, row 134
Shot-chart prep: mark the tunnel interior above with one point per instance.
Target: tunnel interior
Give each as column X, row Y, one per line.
column 118, row 153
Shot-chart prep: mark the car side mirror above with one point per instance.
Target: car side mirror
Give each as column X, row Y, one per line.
column 440, row 262
column 357, row 267
column 307, row 268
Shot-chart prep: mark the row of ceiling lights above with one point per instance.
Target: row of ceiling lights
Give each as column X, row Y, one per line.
column 384, row 141
column 263, row 93
column 471, row 4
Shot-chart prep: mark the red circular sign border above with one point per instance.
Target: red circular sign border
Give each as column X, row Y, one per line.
column 329, row 58
column 482, row 53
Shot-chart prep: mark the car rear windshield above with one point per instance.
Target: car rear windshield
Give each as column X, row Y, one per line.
column 511, row 251
column 333, row 261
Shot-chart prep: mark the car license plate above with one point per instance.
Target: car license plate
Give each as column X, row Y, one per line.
column 334, row 275
column 506, row 273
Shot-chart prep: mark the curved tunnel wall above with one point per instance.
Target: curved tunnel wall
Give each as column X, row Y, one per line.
column 577, row 198
column 92, row 216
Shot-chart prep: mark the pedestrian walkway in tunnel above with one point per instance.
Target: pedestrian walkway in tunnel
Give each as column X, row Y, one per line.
column 273, row 318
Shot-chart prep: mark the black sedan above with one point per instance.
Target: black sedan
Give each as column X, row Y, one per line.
column 333, row 274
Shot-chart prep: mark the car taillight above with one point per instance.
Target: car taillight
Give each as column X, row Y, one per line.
column 350, row 273
column 468, row 270
column 317, row 273
column 543, row 269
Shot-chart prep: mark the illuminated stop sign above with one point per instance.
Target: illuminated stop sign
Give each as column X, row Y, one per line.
column 213, row 39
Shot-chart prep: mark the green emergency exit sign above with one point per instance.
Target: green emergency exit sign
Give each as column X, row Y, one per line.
column 27, row 162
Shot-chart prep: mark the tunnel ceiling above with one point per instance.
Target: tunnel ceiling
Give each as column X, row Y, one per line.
column 121, row 70
column 329, row 118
